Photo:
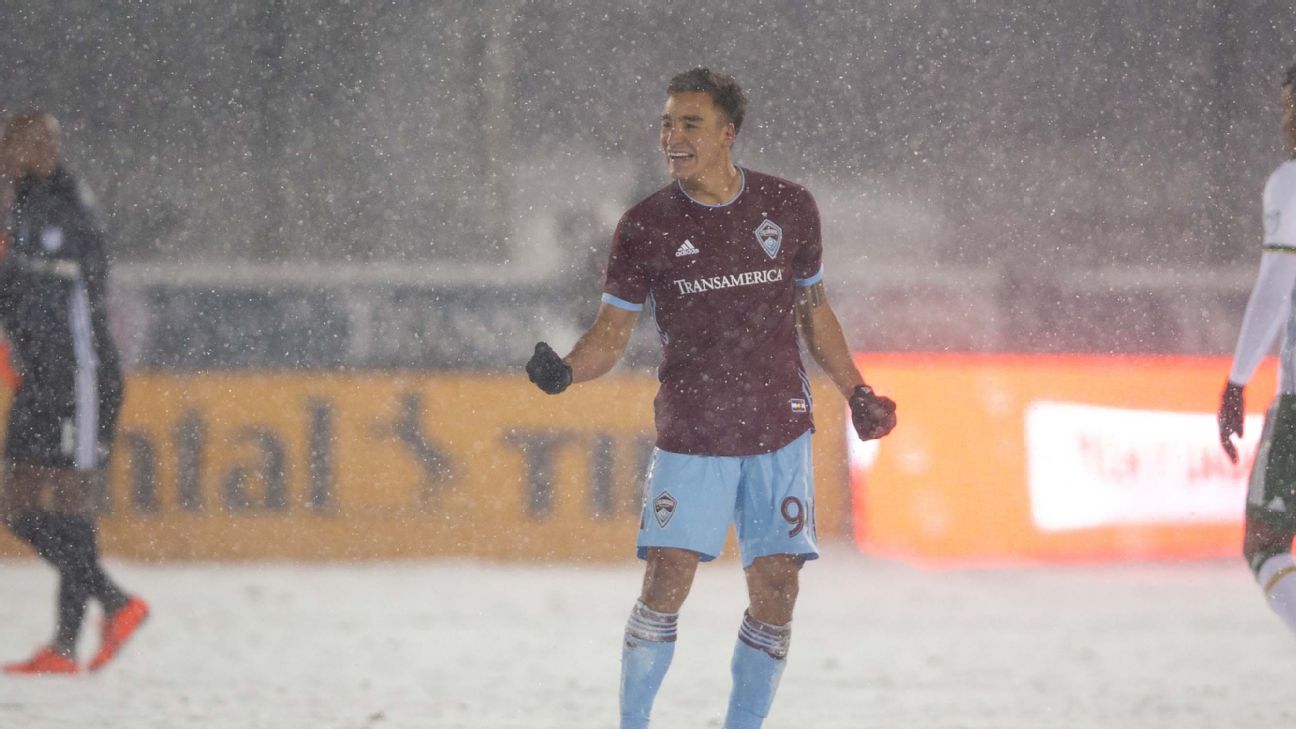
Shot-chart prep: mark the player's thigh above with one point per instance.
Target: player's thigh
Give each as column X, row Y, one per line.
column 668, row 577
column 1271, row 492
column 24, row 488
column 41, row 429
column 776, row 504
column 71, row 490
column 688, row 503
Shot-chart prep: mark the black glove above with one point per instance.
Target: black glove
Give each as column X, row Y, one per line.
column 873, row 415
column 1230, row 419
column 547, row 370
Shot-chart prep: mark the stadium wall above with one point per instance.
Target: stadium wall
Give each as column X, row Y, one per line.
column 380, row 318
column 1023, row 458
column 998, row 459
column 258, row 465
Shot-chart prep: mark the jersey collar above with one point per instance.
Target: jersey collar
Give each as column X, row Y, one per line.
column 742, row 187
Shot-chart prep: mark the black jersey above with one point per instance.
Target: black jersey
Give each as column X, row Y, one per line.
column 53, row 281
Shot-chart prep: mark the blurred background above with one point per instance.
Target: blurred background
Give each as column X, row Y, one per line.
column 339, row 226
column 303, row 196
column 993, row 176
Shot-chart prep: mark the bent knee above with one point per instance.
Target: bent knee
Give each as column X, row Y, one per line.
column 668, row 578
column 782, row 589
column 774, row 578
column 672, row 559
column 1262, row 542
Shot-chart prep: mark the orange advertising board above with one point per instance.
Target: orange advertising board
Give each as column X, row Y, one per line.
column 1003, row 459
column 8, row 378
column 388, row 465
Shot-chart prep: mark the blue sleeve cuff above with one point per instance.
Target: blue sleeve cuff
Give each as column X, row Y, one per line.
column 804, row 282
column 621, row 303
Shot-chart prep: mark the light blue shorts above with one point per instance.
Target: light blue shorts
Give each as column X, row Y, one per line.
column 690, row 501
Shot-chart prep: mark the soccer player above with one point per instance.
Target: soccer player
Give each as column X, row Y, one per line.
column 1271, row 497
column 729, row 260
column 53, row 276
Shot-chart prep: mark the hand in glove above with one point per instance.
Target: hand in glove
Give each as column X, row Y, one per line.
column 1230, row 419
column 873, row 415
column 547, row 370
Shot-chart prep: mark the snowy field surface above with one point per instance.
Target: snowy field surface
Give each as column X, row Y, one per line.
column 487, row 646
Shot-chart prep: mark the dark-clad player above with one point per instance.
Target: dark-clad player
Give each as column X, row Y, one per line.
column 730, row 260
column 52, row 305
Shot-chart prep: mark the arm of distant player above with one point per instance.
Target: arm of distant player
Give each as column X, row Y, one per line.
column 872, row 415
column 601, row 347
column 1266, row 310
column 8, row 273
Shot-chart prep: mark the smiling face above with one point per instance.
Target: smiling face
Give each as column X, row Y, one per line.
column 695, row 138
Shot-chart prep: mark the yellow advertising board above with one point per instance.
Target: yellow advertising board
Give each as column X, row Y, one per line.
column 228, row 466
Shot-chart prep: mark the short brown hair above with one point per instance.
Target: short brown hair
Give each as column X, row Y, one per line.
column 723, row 89
column 25, row 120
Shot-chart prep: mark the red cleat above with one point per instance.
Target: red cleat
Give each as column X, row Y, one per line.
column 117, row 629
column 45, row 661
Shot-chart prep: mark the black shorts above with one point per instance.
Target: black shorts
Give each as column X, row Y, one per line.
column 60, row 428
column 1271, row 495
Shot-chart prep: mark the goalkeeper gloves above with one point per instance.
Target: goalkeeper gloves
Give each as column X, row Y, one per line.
column 547, row 370
column 1230, row 419
column 873, row 415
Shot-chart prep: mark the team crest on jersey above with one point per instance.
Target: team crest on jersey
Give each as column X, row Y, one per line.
column 770, row 237
column 799, row 405
column 664, row 508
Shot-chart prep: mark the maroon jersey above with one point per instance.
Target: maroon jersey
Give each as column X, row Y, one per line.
column 722, row 282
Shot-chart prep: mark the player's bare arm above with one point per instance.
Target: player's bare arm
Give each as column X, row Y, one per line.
column 596, row 352
column 825, row 340
column 872, row 415
column 1267, row 308
column 601, row 347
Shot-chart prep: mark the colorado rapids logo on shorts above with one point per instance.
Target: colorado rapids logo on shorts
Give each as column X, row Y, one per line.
column 664, row 508
column 770, row 237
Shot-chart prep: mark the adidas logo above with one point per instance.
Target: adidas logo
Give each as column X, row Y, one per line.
column 688, row 249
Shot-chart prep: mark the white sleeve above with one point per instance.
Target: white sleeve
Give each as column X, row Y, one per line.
column 1266, row 311
column 1280, row 209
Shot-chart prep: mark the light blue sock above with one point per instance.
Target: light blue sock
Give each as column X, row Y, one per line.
column 758, row 661
column 645, row 655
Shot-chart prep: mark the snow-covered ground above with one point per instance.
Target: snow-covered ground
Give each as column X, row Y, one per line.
column 491, row 646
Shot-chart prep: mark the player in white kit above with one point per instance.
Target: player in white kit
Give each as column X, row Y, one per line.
column 1271, row 497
